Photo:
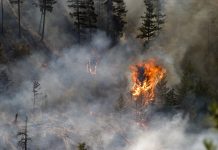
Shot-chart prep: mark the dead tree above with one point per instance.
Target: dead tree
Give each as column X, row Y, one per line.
column 36, row 87
column 18, row 3
column 16, row 117
column 2, row 8
column 45, row 6
column 24, row 138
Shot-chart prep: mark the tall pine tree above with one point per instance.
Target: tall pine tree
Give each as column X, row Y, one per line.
column 2, row 16
column 149, row 25
column 45, row 5
column 108, row 22
column 84, row 18
column 119, row 14
column 92, row 17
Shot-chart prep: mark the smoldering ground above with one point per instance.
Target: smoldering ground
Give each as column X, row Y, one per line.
column 75, row 106
column 80, row 107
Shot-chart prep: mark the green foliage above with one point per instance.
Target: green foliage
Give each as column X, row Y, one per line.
column 172, row 98
column 213, row 109
column 208, row 144
column 149, row 25
column 166, row 94
column 191, row 82
column 82, row 146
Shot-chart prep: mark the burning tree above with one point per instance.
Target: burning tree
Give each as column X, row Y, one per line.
column 18, row 3
column 145, row 76
column 24, row 138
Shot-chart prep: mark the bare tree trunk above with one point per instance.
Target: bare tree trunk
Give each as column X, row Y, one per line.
column 40, row 23
column 43, row 26
column 78, row 25
column 2, row 7
column 19, row 18
column 26, row 138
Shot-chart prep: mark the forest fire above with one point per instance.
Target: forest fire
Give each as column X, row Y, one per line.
column 145, row 76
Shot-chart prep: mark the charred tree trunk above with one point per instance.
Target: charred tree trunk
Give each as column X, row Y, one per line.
column 23, row 135
column 78, row 25
column 26, row 138
column 43, row 25
column 2, row 8
column 19, row 18
column 40, row 23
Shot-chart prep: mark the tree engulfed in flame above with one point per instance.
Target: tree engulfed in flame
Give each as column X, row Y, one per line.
column 145, row 76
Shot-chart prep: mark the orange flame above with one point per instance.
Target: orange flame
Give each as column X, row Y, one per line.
column 145, row 76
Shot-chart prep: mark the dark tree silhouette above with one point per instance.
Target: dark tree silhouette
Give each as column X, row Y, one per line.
column 92, row 17
column 24, row 138
column 18, row 3
column 45, row 5
column 3, row 58
column 78, row 15
column 119, row 14
column 172, row 98
column 2, row 15
column 149, row 25
column 82, row 146
column 109, row 9
column 36, row 87
column 16, row 117
column 5, row 82
column 83, row 14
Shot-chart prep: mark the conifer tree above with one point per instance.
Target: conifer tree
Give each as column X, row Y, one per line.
column 172, row 98
column 36, row 88
column 109, row 9
column 149, row 25
column 119, row 14
column 92, row 17
column 78, row 15
column 5, row 82
column 84, row 17
column 45, row 6
column 24, row 138
column 18, row 3
column 2, row 16
column 2, row 55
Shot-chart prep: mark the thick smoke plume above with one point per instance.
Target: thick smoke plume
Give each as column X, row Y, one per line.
column 74, row 106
